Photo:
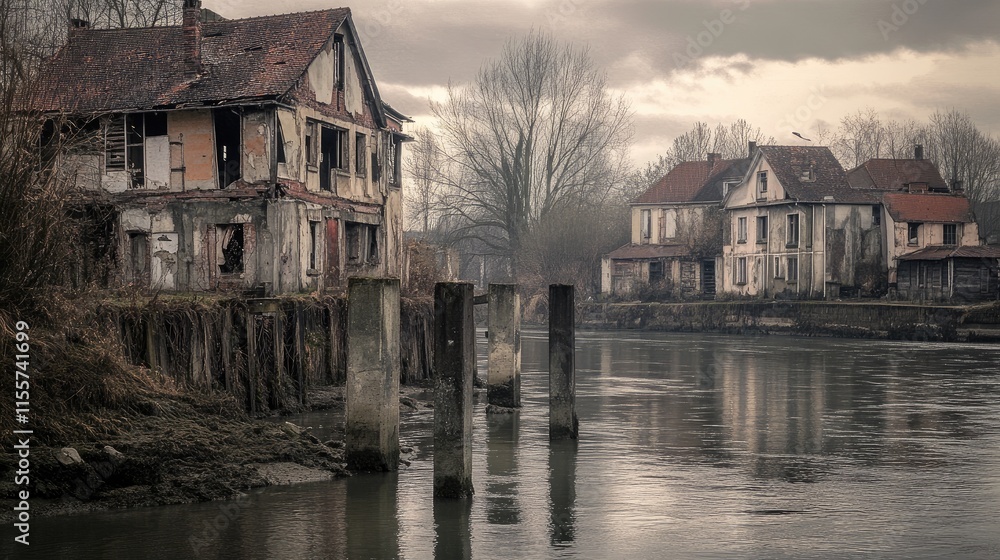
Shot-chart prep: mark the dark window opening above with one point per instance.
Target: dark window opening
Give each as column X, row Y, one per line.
column 156, row 124
column 792, row 235
column 761, row 184
column 138, row 250
column 134, row 150
column 655, row 272
column 280, row 148
column 314, row 245
column 913, row 234
column 761, row 229
column 231, row 241
column 310, row 143
column 227, row 145
column 793, row 269
column 362, row 243
column 392, row 162
column 360, row 154
column 334, row 154
column 338, row 55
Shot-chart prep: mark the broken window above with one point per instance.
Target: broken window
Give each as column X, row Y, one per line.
column 645, row 225
column 125, row 143
column 280, row 141
column 227, row 145
column 360, row 154
column 334, row 154
column 876, row 216
column 913, row 234
column 362, row 243
column 311, row 142
column 231, row 248
column 392, row 162
column 950, row 234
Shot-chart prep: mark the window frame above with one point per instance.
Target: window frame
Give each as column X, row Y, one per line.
column 950, row 230
column 741, row 271
column 762, row 229
column 913, row 233
column 645, row 225
column 792, row 268
column 741, row 229
column 360, row 154
column 792, row 230
column 761, row 185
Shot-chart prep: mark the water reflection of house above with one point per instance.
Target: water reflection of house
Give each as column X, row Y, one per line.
column 235, row 154
column 675, row 226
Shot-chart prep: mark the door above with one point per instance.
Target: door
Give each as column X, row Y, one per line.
column 708, row 277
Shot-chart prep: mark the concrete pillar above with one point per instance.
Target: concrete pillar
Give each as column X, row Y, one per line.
column 563, row 423
column 454, row 362
column 372, row 419
column 504, row 377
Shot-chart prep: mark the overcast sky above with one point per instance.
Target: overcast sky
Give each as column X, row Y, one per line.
column 784, row 65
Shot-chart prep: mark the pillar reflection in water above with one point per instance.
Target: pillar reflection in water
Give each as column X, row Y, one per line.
column 501, row 469
column 562, row 492
column 452, row 529
column 372, row 516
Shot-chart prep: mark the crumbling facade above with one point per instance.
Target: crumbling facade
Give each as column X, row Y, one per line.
column 252, row 154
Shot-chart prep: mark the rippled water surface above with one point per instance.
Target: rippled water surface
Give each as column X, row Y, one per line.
column 690, row 446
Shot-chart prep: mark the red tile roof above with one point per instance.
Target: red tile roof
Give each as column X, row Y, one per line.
column 938, row 253
column 895, row 174
column 243, row 59
column 631, row 252
column 690, row 181
column 936, row 208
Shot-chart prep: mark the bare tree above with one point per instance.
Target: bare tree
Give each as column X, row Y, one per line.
column 536, row 130
column 425, row 165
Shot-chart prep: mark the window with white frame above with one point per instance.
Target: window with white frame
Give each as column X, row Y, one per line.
column 761, row 229
column 777, row 267
column 950, row 234
column 646, row 225
column 762, row 184
column 741, row 230
column 741, row 271
column 792, row 273
column 913, row 234
column 792, row 232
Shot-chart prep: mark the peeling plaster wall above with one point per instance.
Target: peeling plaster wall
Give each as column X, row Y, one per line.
column 193, row 131
column 293, row 132
column 256, row 150
column 157, row 162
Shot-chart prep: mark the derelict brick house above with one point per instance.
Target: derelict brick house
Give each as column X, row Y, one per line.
column 796, row 228
column 933, row 248
column 675, row 240
column 236, row 154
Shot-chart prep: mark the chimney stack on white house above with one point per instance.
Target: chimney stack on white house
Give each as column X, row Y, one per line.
column 191, row 29
column 712, row 158
column 751, row 149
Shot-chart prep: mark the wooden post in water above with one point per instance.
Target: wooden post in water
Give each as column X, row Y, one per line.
column 504, row 324
column 563, row 423
column 372, row 419
column 454, row 361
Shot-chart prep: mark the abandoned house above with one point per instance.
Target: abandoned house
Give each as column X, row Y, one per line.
column 932, row 244
column 796, row 228
column 675, row 245
column 248, row 154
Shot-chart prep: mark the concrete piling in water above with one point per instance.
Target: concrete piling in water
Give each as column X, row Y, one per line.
column 454, row 362
column 504, row 377
column 373, row 365
column 563, row 422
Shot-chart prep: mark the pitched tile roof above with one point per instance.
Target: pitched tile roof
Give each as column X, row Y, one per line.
column 938, row 253
column 629, row 252
column 895, row 174
column 243, row 59
column 790, row 163
column 694, row 181
column 937, row 208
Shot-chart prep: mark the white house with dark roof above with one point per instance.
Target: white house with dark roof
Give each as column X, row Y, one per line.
column 796, row 228
column 246, row 154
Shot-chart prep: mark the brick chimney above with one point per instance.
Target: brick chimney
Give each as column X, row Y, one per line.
column 751, row 149
column 77, row 25
column 191, row 29
column 712, row 158
column 918, row 151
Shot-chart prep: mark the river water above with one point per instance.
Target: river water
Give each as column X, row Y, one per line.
column 691, row 446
